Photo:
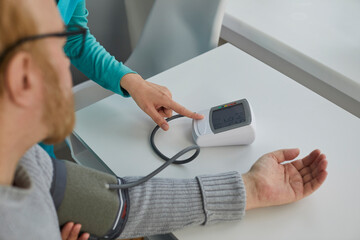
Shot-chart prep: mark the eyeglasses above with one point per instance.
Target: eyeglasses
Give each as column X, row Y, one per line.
column 69, row 31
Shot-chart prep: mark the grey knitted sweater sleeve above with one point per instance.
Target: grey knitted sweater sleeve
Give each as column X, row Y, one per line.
column 165, row 205
column 157, row 206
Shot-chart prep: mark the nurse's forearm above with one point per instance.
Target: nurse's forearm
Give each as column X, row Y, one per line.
column 130, row 82
column 164, row 205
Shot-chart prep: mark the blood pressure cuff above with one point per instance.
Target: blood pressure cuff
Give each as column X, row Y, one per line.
column 80, row 195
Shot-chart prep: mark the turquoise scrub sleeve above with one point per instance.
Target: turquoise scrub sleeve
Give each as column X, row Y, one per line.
column 49, row 149
column 67, row 8
column 96, row 63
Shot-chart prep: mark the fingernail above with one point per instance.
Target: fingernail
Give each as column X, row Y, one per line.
column 165, row 127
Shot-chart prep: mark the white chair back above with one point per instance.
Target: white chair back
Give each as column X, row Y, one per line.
column 176, row 31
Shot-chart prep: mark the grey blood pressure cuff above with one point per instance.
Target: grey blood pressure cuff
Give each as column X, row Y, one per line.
column 81, row 196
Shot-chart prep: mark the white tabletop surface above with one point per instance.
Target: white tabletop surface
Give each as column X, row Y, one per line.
column 321, row 37
column 287, row 115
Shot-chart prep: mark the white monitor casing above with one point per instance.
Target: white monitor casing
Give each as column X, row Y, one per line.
column 205, row 135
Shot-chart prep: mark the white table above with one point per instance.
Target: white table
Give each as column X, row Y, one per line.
column 287, row 115
column 317, row 43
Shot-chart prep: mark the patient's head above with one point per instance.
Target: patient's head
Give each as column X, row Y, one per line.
column 35, row 80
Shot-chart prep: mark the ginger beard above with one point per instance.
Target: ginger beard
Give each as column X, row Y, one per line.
column 58, row 114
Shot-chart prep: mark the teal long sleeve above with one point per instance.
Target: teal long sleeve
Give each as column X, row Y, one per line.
column 96, row 63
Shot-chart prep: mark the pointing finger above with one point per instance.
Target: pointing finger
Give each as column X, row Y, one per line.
column 185, row 112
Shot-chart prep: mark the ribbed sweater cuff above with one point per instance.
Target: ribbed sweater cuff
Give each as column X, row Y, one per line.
column 224, row 197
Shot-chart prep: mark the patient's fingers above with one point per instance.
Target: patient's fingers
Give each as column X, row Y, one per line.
column 317, row 161
column 75, row 232
column 71, row 231
column 313, row 180
column 309, row 159
column 313, row 166
column 321, row 167
column 84, row 236
column 65, row 231
column 306, row 161
column 315, row 183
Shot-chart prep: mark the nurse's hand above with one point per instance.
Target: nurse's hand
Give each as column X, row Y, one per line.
column 71, row 231
column 270, row 183
column 154, row 100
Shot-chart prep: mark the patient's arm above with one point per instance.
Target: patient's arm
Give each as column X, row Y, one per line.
column 155, row 207
column 165, row 205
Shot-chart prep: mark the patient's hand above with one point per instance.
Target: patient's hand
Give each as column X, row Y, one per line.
column 270, row 183
column 70, row 231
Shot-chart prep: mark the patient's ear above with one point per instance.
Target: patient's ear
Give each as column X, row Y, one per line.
column 23, row 80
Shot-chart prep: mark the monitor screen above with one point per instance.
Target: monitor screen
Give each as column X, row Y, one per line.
column 228, row 116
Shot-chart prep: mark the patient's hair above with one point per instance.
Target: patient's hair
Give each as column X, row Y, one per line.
column 16, row 22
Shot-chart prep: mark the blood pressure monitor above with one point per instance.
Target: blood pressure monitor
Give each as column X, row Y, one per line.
column 227, row 124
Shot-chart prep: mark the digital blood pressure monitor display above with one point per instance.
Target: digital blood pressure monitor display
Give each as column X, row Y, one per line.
column 227, row 124
column 225, row 116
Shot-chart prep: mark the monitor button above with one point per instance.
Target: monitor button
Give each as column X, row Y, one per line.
column 202, row 126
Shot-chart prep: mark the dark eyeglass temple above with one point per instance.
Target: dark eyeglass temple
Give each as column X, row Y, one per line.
column 79, row 30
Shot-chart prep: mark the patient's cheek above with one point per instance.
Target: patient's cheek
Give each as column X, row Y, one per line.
column 66, row 81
